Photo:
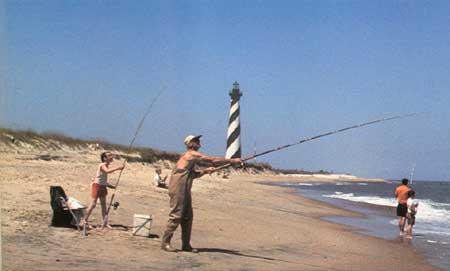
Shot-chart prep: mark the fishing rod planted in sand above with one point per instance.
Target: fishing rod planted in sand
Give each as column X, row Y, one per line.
column 321, row 135
column 138, row 129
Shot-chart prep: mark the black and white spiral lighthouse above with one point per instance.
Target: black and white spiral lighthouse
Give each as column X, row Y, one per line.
column 234, row 126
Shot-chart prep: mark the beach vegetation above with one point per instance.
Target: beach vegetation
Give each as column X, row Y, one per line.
column 52, row 140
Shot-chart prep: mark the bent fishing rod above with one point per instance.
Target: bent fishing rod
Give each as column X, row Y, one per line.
column 138, row 129
column 319, row 136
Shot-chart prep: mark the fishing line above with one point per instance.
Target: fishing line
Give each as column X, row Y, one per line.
column 321, row 135
column 138, row 129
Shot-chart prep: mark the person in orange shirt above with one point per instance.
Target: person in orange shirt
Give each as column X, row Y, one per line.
column 401, row 192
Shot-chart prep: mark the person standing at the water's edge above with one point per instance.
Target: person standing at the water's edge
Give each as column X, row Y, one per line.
column 401, row 192
column 412, row 205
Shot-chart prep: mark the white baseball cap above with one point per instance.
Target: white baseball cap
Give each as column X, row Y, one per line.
column 189, row 138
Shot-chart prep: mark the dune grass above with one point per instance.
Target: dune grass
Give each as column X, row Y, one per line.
column 57, row 140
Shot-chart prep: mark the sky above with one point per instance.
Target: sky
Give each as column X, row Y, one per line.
column 90, row 69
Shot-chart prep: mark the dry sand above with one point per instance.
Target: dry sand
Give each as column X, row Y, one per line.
column 238, row 224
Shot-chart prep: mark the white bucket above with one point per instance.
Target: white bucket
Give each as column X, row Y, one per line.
column 142, row 225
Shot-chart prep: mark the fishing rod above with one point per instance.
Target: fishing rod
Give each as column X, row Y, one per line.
column 319, row 136
column 412, row 173
column 105, row 220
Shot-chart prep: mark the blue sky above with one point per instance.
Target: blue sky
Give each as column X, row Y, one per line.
column 90, row 68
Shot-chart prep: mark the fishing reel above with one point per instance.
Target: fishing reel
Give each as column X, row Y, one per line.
column 116, row 205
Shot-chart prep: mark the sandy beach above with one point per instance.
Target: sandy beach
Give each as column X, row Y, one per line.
column 239, row 224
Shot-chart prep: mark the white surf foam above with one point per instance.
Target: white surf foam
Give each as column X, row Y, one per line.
column 343, row 183
column 288, row 184
column 298, row 184
column 367, row 199
column 432, row 217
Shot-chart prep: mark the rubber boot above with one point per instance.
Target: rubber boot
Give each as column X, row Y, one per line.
column 165, row 244
column 186, row 228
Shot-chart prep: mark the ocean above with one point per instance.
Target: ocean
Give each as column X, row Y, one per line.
column 431, row 233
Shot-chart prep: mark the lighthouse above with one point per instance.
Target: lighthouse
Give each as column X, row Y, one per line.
column 234, row 126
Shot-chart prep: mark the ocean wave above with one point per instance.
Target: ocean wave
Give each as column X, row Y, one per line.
column 287, row 184
column 437, row 231
column 431, row 211
column 298, row 184
column 432, row 217
column 343, row 183
column 367, row 199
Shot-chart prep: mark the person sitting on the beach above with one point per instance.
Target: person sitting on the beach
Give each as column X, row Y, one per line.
column 401, row 192
column 159, row 181
column 100, row 184
column 412, row 205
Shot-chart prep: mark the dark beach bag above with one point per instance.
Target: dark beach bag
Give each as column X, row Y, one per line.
column 61, row 215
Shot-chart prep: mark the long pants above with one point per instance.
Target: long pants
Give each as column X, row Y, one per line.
column 180, row 208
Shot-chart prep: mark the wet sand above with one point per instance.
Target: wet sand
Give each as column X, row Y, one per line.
column 239, row 224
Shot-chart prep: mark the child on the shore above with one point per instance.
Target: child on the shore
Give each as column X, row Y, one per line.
column 100, row 184
column 412, row 204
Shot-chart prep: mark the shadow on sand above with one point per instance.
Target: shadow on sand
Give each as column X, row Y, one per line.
column 120, row 227
column 127, row 228
column 237, row 253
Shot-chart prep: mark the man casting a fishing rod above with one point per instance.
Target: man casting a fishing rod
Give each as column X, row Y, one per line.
column 180, row 191
column 185, row 172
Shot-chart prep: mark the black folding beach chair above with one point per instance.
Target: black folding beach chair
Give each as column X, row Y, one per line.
column 62, row 216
